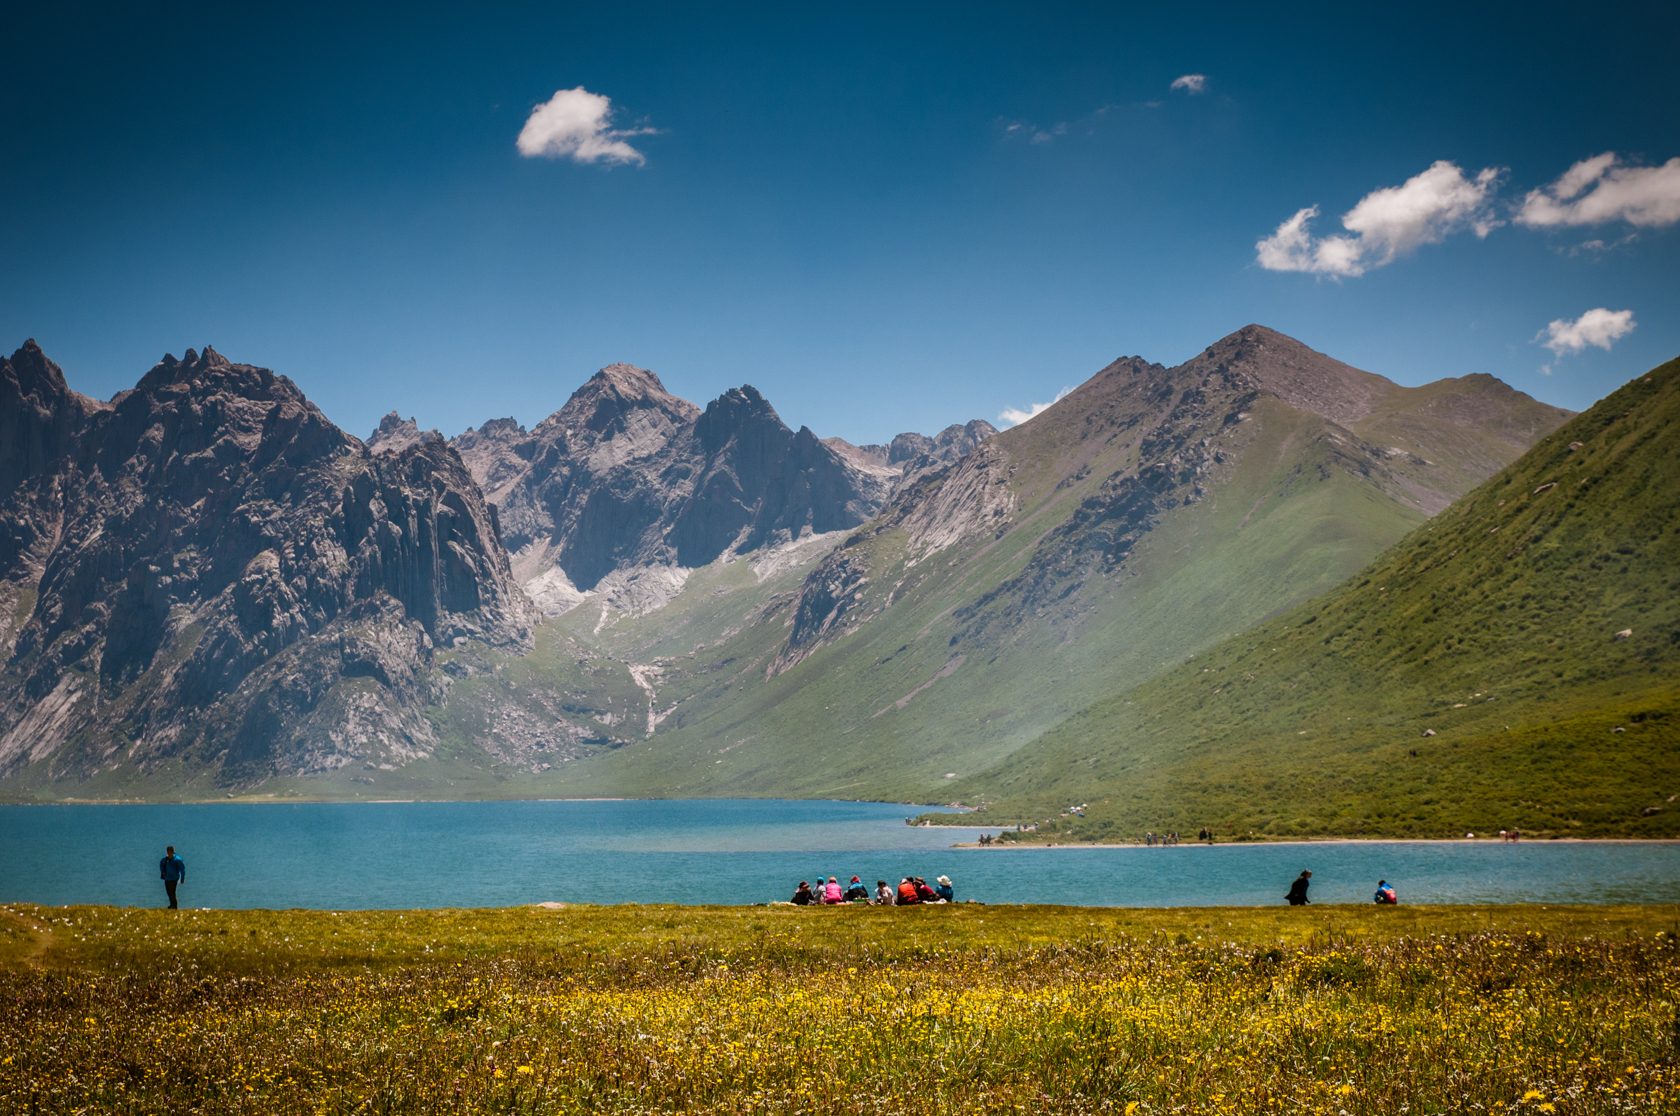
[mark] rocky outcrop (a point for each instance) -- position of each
(497, 454)
(910, 455)
(626, 475)
(396, 434)
(40, 417)
(214, 569)
(915, 454)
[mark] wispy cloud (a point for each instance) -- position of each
(1601, 328)
(576, 124)
(1190, 83)
(1032, 133)
(1009, 416)
(1597, 246)
(1603, 189)
(1386, 224)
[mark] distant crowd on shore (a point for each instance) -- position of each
(911, 891)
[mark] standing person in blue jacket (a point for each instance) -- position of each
(174, 870)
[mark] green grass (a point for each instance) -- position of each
(1469, 679)
(934, 1010)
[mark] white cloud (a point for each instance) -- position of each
(1033, 133)
(1602, 189)
(1387, 223)
(575, 124)
(1599, 327)
(1009, 416)
(1190, 83)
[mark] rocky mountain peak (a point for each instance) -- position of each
(617, 400)
(36, 376)
(629, 381)
(500, 428)
(908, 445)
(208, 560)
(396, 434)
(206, 375)
(735, 413)
(1302, 377)
(497, 454)
(40, 417)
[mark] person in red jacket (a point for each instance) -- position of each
(907, 892)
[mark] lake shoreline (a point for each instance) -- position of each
(1274, 842)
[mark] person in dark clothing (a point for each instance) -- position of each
(802, 896)
(173, 870)
(857, 891)
(1298, 890)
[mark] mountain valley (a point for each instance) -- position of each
(209, 591)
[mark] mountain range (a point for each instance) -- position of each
(210, 591)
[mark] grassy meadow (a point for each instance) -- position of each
(1334, 1010)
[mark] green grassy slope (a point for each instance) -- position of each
(1471, 678)
(965, 656)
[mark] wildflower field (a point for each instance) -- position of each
(1335, 1010)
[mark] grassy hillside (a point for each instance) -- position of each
(1151, 514)
(962, 657)
(1513, 662)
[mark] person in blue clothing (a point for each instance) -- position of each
(174, 870)
(1385, 894)
(945, 891)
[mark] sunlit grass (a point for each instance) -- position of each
(960, 1009)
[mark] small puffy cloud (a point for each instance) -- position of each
(575, 124)
(1009, 416)
(1190, 83)
(1599, 327)
(1387, 223)
(1602, 189)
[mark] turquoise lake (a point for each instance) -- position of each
(483, 854)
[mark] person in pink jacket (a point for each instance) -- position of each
(832, 892)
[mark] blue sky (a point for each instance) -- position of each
(884, 220)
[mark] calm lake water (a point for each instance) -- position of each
(482, 854)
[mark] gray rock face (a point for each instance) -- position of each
(917, 454)
(40, 417)
(497, 454)
(396, 434)
(213, 568)
(627, 474)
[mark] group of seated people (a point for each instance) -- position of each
(910, 891)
